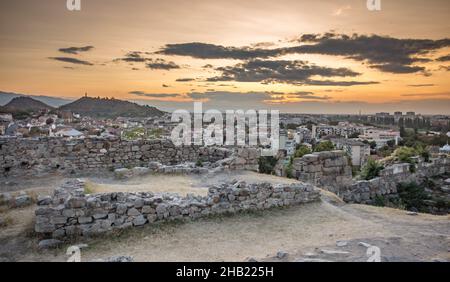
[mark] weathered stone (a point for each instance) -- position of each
(133, 212)
(44, 200)
(49, 244)
(76, 202)
(140, 220)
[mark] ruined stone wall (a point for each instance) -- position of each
(386, 184)
(328, 170)
(71, 213)
(21, 157)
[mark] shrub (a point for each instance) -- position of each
(413, 196)
(404, 154)
(301, 151)
(267, 164)
(324, 146)
(371, 169)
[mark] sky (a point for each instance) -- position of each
(299, 56)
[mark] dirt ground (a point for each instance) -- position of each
(307, 233)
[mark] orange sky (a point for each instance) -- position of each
(31, 32)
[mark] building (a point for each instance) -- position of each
(381, 137)
(445, 149)
(303, 135)
(343, 129)
(358, 151)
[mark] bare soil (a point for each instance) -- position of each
(304, 232)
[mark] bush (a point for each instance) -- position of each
(324, 146)
(413, 196)
(290, 169)
(301, 151)
(405, 154)
(267, 164)
(371, 170)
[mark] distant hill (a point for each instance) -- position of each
(6, 97)
(26, 104)
(109, 108)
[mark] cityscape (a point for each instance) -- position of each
(354, 100)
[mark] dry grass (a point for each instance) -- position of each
(180, 184)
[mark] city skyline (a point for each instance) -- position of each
(295, 56)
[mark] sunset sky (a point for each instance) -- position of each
(300, 56)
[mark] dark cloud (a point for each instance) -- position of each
(154, 95)
(384, 53)
(421, 85)
(185, 79)
(426, 95)
(443, 58)
(282, 71)
(165, 86)
(71, 60)
(133, 57)
(211, 51)
(305, 95)
(76, 50)
(161, 64)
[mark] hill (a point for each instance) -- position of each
(6, 97)
(23, 107)
(109, 108)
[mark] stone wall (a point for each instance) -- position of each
(386, 184)
(328, 170)
(21, 157)
(71, 213)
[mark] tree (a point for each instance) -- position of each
(267, 164)
(324, 146)
(413, 196)
(371, 170)
(301, 151)
(405, 154)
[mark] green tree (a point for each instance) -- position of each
(405, 154)
(324, 146)
(371, 169)
(301, 151)
(267, 164)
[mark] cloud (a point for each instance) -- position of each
(71, 61)
(387, 54)
(133, 57)
(282, 71)
(75, 50)
(154, 95)
(447, 94)
(165, 86)
(421, 85)
(211, 51)
(185, 79)
(443, 58)
(384, 53)
(161, 64)
(280, 97)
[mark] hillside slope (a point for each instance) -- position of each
(109, 108)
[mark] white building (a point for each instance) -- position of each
(445, 149)
(357, 150)
(342, 129)
(381, 137)
(303, 135)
